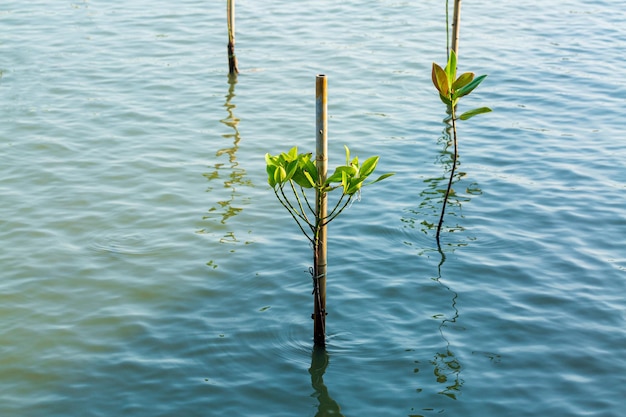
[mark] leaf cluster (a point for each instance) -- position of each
(299, 173)
(451, 88)
(299, 169)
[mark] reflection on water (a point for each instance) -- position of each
(447, 368)
(327, 406)
(226, 208)
(426, 215)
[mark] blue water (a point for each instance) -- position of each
(148, 270)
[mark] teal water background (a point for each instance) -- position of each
(148, 270)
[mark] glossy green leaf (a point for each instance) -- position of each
(451, 68)
(337, 176)
(347, 155)
(311, 181)
(344, 181)
(472, 113)
(369, 166)
(270, 175)
(279, 175)
(382, 177)
(465, 90)
(293, 154)
(355, 185)
(291, 169)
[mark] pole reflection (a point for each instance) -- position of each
(319, 362)
(226, 207)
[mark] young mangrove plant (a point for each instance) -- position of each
(451, 88)
(295, 178)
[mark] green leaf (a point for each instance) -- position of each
(382, 177)
(472, 113)
(279, 175)
(451, 68)
(440, 80)
(291, 169)
(354, 187)
(463, 80)
(345, 182)
(347, 155)
(368, 166)
(311, 180)
(271, 169)
(338, 174)
(465, 90)
(293, 154)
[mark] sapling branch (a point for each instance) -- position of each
(307, 200)
(451, 88)
(334, 215)
(294, 213)
(302, 211)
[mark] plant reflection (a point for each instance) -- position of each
(327, 406)
(447, 368)
(432, 195)
(236, 176)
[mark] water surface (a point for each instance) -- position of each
(147, 269)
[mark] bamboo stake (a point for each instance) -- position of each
(456, 22)
(230, 17)
(319, 249)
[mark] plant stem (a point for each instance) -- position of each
(454, 159)
(334, 215)
(287, 205)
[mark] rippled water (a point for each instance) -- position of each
(147, 269)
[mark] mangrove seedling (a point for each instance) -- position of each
(451, 88)
(295, 178)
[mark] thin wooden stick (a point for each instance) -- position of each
(319, 249)
(232, 58)
(456, 23)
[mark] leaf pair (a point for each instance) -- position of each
(451, 88)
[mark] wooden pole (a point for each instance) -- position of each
(321, 211)
(456, 22)
(230, 17)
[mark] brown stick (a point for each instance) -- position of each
(456, 23)
(230, 17)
